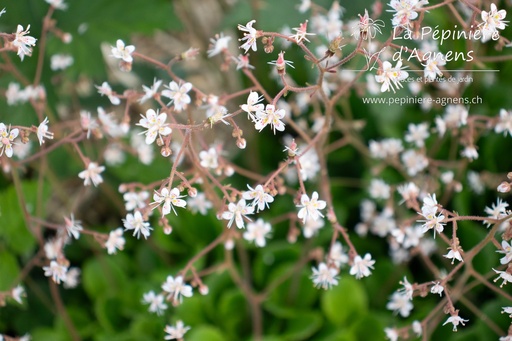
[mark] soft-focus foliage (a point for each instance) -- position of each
(253, 170)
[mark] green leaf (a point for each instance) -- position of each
(233, 310)
(343, 335)
(205, 332)
(344, 303)
(303, 326)
(48, 334)
(107, 311)
(191, 311)
(103, 277)
(14, 229)
(368, 328)
(9, 269)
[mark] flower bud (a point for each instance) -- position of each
(229, 244)
(228, 171)
(122, 188)
(334, 45)
(190, 54)
(166, 151)
(203, 289)
(167, 230)
(504, 187)
(125, 66)
(241, 143)
(192, 192)
(67, 38)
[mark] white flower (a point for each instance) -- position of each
(136, 223)
(270, 116)
(176, 289)
(417, 328)
(257, 232)
(13, 94)
(324, 276)
(115, 241)
(260, 198)
(199, 204)
(405, 11)
(42, 132)
(178, 94)
(455, 116)
(17, 292)
(507, 250)
(23, 42)
(492, 21)
(391, 334)
(455, 320)
(301, 33)
(417, 134)
(110, 125)
(408, 191)
(218, 44)
(379, 189)
(73, 227)
(87, 122)
(475, 182)
(253, 106)
(123, 52)
(433, 222)
(7, 137)
(304, 5)
(92, 174)
(53, 248)
(503, 275)
(408, 289)
(390, 77)
(176, 332)
(400, 304)
(310, 208)
(386, 148)
(250, 36)
(414, 162)
(169, 199)
(309, 164)
(155, 125)
(113, 154)
(361, 266)
(437, 288)
(56, 271)
(209, 158)
(447, 177)
(504, 124)
(156, 302)
(106, 90)
(470, 153)
(242, 62)
(367, 27)
(432, 66)
(135, 200)
(150, 92)
(61, 61)
(58, 4)
(236, 212)
(72, 278)
(311, 227)
(507, 310)
(337, 255)
(454, 255)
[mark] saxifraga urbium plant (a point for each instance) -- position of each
(352, 187)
